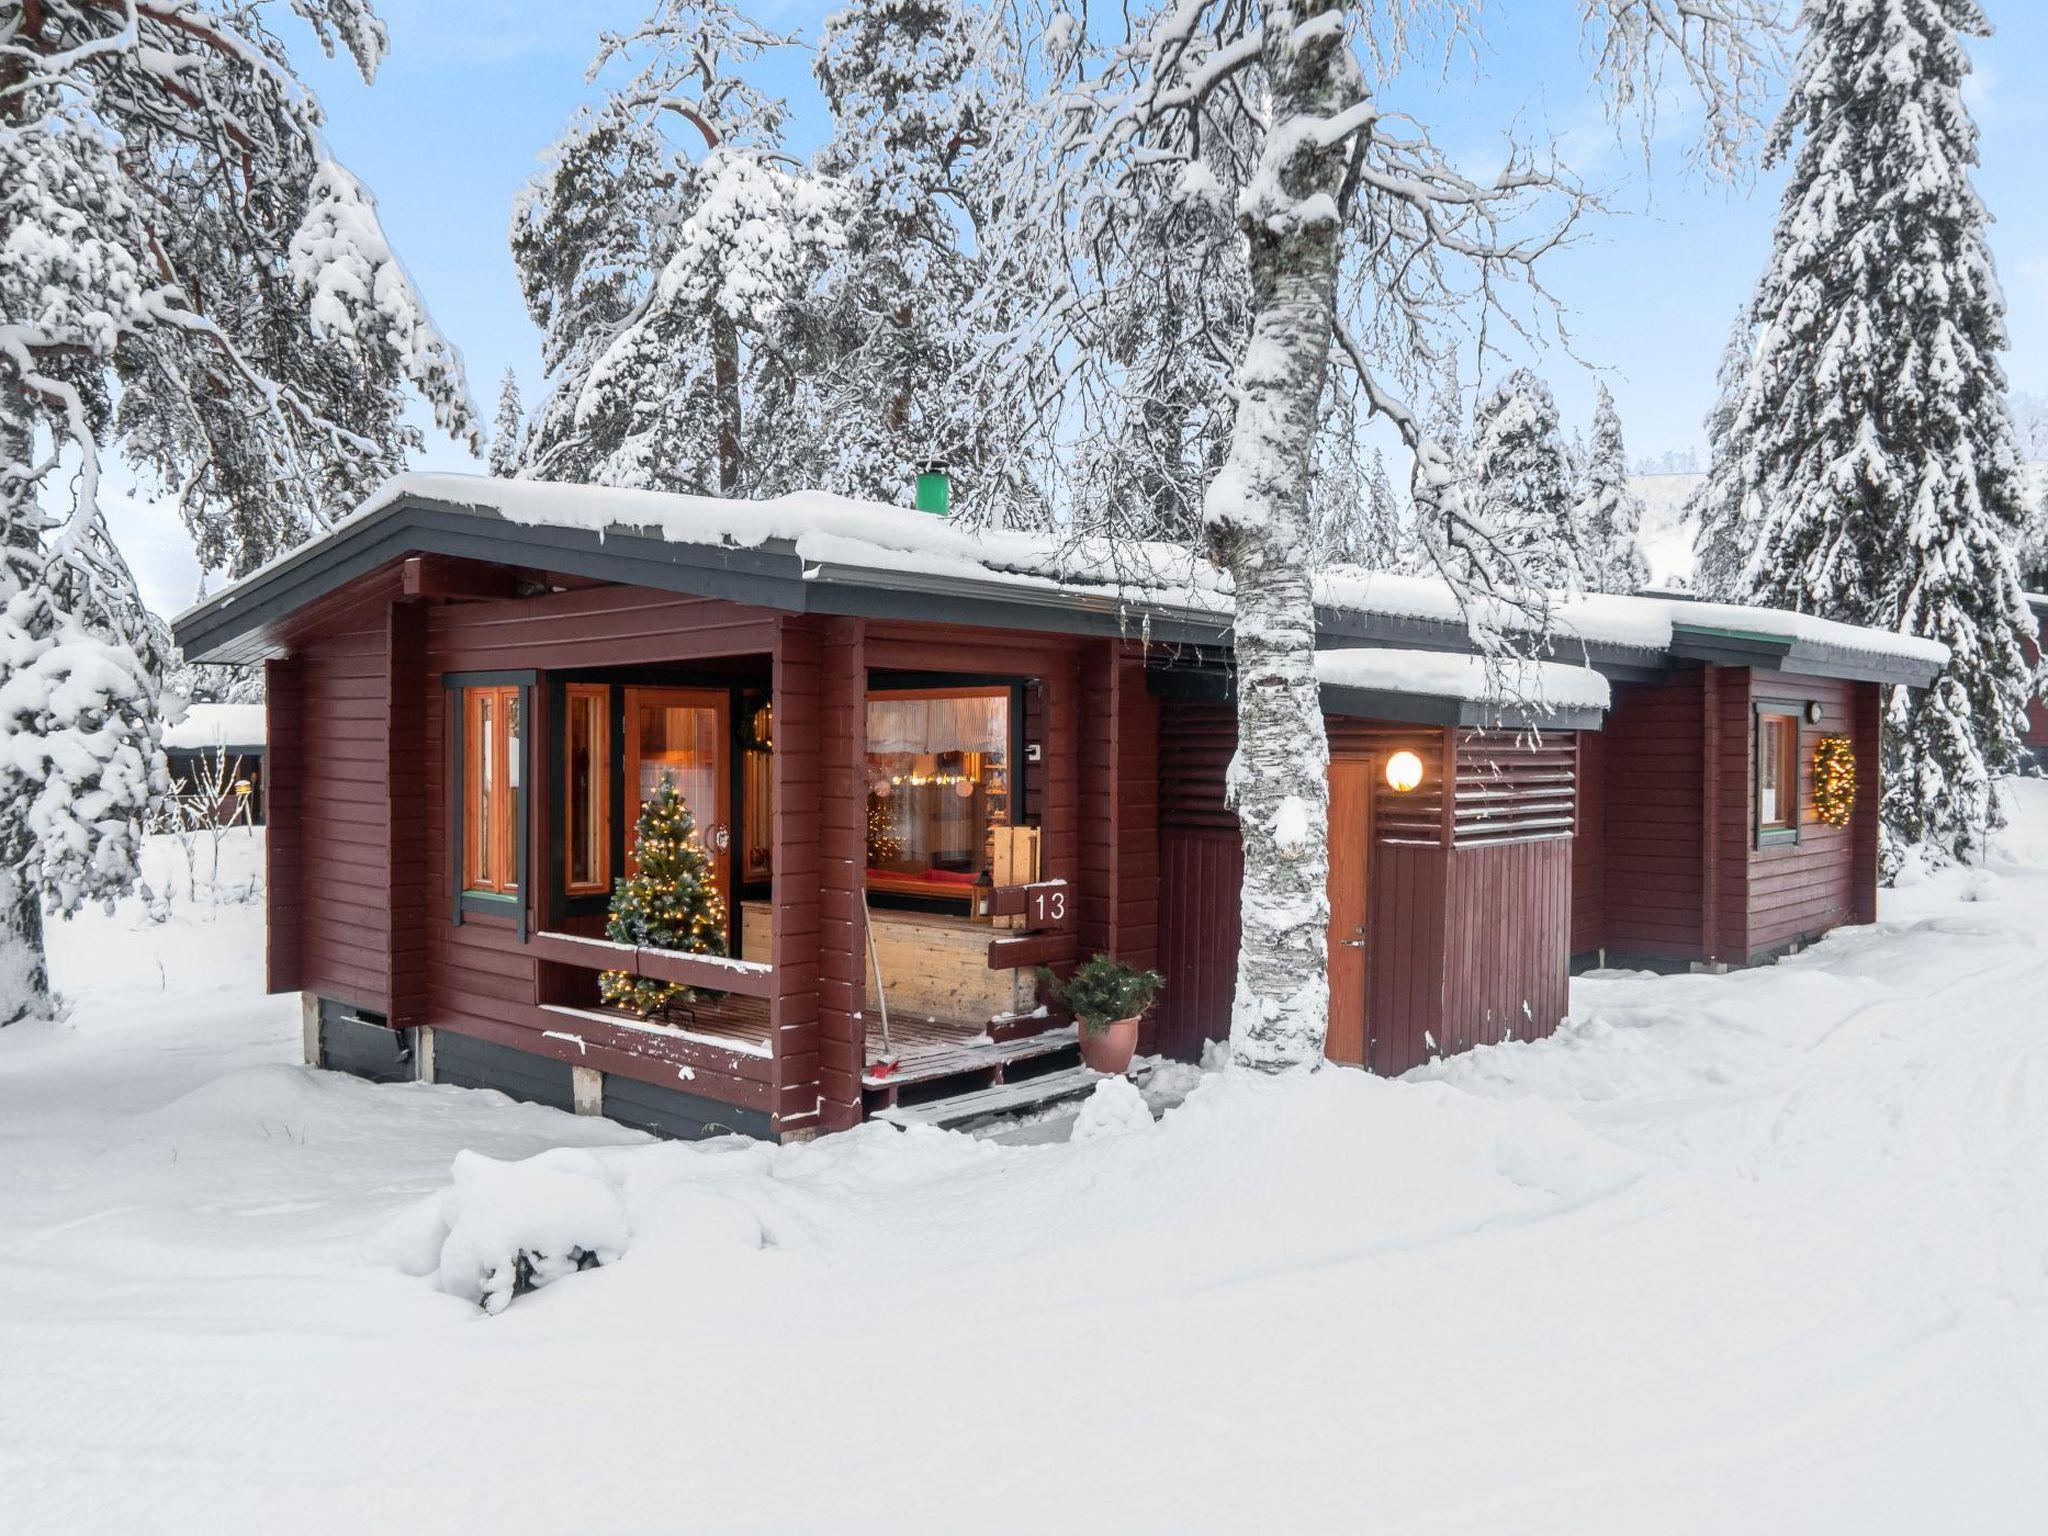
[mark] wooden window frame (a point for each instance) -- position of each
(1782, 717)
(939, 896)
(513, 847)
(599, 696)
(719, 700)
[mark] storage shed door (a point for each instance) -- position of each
(1350, 840)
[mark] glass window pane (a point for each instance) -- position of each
(584, 790)
(484, 739)
(679, 743)
(938, 779)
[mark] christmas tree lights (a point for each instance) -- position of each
(670, 902)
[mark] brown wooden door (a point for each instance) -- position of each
(682, 734)
(1350, 838)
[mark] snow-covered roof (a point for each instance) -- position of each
(815, 550)
(238, 727)
(1447, 675)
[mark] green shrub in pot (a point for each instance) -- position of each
(1102, 990)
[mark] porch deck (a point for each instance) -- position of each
(933, 1057)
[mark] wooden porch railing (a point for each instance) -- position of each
(744, 978)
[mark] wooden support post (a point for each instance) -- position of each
(309, 1028)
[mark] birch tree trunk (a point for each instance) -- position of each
(1258, 516)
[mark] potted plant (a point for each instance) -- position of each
(1106, 998)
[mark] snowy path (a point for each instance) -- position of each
(1758, 1253)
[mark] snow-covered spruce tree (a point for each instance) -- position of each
(186, 272)
(660, 246)
(1716, 505)
(1369, 533)
(1522, 477)
(508, 431)
(1866, 453)
(1608, 515)
(923, 95)
(1337, 179)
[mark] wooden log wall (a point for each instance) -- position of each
(1675, 870)
(1470, 892)
(1117, 897)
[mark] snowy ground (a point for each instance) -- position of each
(1761, 1253)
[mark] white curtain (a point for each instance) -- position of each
(938, 725)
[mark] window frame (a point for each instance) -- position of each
(913, 895)
(598, 696)
(466, 901)
(1783, 718)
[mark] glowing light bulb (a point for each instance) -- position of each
(1404, 771)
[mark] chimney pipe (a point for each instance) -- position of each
(934, 487)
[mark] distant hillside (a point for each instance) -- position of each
(1667, 530)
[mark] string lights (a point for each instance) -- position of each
(1834, 780)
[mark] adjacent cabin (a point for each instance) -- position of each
(2035, 742)
(926, 760)
(215, 756)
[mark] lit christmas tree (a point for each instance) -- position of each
(670, 903)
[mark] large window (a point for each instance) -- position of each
(586, 788)
(1777, 774)
(679, 736)
(939, 777)
(490, 790)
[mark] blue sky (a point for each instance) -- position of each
(473, 92)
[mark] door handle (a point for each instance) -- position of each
(1352, 943)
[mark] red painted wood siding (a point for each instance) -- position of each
(1654, 755)
(1468, 942)
(1799, 890)
(1118, 750)
(478, 979)
(797, 774)
(1589, 846)
(333, 903)
(2037, 709)
(1507, 942)
(842, 869)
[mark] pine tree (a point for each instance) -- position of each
(1371, 536)
(1523, 481)
(508, 432)
(187, 273)
(918, 91)
(1866, 470)
(659, 251)
(669, 902)
(1609, 515)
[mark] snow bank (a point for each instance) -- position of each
(1446, 675)
(1116, 1106)
(513, 1227)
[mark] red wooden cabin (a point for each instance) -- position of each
(879, 717)
(2036, 738)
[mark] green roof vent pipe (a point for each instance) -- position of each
(934, 487)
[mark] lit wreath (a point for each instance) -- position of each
(1834, 780)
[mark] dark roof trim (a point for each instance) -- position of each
(1218, 685)
(229, 627)
(1745, 648)
(236, 625)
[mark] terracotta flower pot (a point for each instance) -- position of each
(1110, 1048)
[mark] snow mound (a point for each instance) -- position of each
(515, 1226)
(1116, 1106)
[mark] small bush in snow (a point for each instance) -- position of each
(514, 1227)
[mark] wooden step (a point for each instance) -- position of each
(928, 1063)
(986, 1103)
